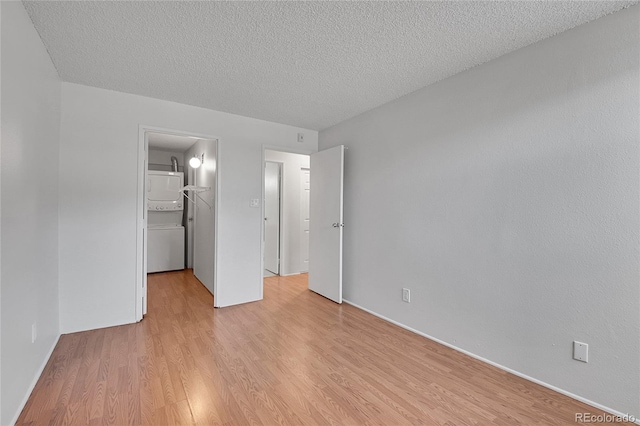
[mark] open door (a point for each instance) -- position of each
(326, 223)
(204, 211)
(272, 217)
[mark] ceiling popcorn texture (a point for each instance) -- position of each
(308, 64)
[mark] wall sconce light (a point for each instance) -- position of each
(196, 161)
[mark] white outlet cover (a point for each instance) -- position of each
(255, 202)
(406, 295)
(580, 351)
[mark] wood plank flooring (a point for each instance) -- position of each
(293, 358)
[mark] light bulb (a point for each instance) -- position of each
(195, 162)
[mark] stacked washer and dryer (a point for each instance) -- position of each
(165, 205)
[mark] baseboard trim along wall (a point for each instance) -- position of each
(34, 382)
(502, 367)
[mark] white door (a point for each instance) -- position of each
(203, 245)
(325, 236)
(304, 220)
(189, 212)
(144, 230)
(204, 220)
(272, 217)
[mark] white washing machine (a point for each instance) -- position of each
(165, 236)
(165, 248)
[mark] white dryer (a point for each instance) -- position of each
(164, 191)
(165, 237)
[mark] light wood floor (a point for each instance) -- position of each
(293, 358)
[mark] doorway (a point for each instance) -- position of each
(286, 213)
(191, 221)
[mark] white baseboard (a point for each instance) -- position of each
(239, 303)
(35, 380)
(502, 367)
(289, 274)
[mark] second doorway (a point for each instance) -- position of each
(286, 213)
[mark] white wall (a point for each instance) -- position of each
(161, 160)
(99, 141)
(204, 229)
(290, 231)
(29, 218)
(507, 199)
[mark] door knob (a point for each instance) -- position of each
(335, 225)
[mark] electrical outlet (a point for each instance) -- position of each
(255, 202)
(406, 295)
(34, 332)
(580, 351)
(301, 137)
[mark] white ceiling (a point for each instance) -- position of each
(309, 64)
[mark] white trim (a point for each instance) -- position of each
(240, 303)
(263, 165)
(34, 382)
(501, 367)
(281, 251)
(281, 235)
(287, 150)
(302, 268)
(141, 267)
(216, 209)
(341, 224)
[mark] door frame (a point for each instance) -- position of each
(141, 211)
(291, 150)
(300, 224)
(280, 205)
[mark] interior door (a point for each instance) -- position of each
(204, 220)
(326, 223)
(144, 229)
(272, 217)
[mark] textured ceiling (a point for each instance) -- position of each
(309, 64)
